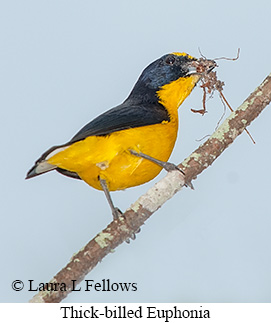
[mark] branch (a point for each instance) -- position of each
(121, 229)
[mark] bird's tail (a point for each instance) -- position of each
(41, 165)
(40, 168)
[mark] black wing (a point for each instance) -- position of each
(119, 118)
(123, 117)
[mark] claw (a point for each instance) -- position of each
(170, 167)
(133, 236)
(116, 212)
(189, 184)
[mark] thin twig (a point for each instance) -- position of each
(119, 230)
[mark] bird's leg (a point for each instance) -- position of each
(166, 165)
(116, 212)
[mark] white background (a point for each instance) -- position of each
(62, 63)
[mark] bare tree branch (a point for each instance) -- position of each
(121, 229)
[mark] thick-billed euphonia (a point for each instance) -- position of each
(130, 144)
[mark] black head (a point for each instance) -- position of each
(163, 71)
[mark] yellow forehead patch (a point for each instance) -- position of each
(183, 54)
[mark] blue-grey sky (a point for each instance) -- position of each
(62, 63)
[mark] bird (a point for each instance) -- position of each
(131, 143)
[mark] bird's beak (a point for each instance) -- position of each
(210, 65)
(201, 66)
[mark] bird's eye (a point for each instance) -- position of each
(170, 60)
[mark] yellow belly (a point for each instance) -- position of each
(108, 157)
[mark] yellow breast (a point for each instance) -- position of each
(108, 157)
